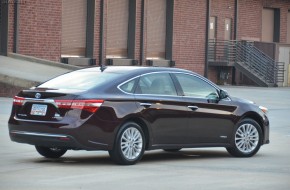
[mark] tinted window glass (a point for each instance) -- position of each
(195, 87)
(160, 83)
(129, 86)
(79, 80)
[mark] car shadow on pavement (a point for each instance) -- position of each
(149, 157)
(184, 154)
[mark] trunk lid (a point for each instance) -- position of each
(44, 104)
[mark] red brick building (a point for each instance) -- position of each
(147, 32)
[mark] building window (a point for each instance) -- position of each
(74, 22)
(228, 29)
(156, 29)
(212, 28)
(117, 28)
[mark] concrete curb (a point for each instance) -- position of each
(43, 61)
(18, 82)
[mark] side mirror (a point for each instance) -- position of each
(213, 98)
(223, 94)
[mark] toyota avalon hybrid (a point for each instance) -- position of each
(129, 110)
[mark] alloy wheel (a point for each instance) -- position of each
(131, 143)
(247, 138)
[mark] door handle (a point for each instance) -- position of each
(146, 105)
(193, 107)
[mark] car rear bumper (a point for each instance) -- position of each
(54, 140)
(45, 139)
(74, 135)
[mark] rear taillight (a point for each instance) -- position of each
(18, 101)
(87, 105)
(66, 104)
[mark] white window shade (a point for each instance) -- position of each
(117, 28)
(74, 21)
(156, 29)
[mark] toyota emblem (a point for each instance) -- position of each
(37, 95)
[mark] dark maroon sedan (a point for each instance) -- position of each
(127, 110)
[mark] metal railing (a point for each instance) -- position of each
(280, 72)
(256, 61)
(222, 51)
(249, 57)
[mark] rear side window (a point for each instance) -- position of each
(157, 83)
(79, 80)
(129, 87)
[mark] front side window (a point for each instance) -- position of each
(195, 87)
(157, 83)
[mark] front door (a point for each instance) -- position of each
(209, 120)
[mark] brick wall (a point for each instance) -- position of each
(284, 6)
(213, 74)
(189, 34)
(105, 30)
(97, 31)
(40, 29)
(144, 34)
(223, 9)
(250, 24)
(250, 18)
(138, 30)
(10, 27)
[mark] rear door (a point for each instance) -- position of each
(209, 120)
(157, 99)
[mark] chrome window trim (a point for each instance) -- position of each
(156, 72)
(169, 72)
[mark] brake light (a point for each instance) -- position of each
(18, 101)
(87, 105)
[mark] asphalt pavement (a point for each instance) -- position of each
(202, 168)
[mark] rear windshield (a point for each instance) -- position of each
(79, 80)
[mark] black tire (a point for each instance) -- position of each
(247, 139)
(50, 152)
(172, 150)
(127, 149)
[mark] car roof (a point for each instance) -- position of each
(134, 69)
